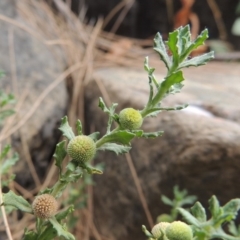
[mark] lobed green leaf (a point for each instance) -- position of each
(60, 154)
(66, 129)
(118, 149)
(197, 61)
(11, 199)
(159, 47)
(61, 232)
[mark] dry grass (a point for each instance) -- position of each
(84, 49)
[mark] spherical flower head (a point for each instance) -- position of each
(82, 148)
(44, 206)
(159, 229)
(130, 118)
(179, 231)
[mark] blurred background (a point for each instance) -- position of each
(60, 56)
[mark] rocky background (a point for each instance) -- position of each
(57, 63)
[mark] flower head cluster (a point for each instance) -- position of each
(82, 148)
(179, 231)
(130, 119)
(44, 206)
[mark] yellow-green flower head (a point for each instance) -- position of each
(81, 148)
(130, 118)
(179, 231)
(159, 228)
(44, 206)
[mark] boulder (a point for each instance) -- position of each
(199, 150)
(30, 67)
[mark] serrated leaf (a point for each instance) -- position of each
(94, 136)
(232, 207)
(214, 207)
(79, 127)
(103, 106)
(122, 137)
(11, 199)
(118, 149)
(199, 212)
(60, 154)
(167, 200)
(189, 217)
(160, 48)
(8, 163)
(197, 61)
(195, 44)
(66, 129)
(61, 232)
(152, 134)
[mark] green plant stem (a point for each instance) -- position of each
(160, 93)
(60, 185)
(103, 140)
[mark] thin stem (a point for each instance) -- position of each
(103, 140)
(4, 215)
(60, 185)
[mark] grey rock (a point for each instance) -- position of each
(36, 68)
(199, 150)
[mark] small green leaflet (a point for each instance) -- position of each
(199, 212)
(118, 149)
(167, 200)
(173, 46)
(60, 154)
(11, 199)
(66, 129)
(79, 127)
(214, 207)
(197, 61)
(189, 217)
(60, 230)
(103, 106)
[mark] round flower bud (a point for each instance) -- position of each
(179, 231)
(130, 118)
(44, 206)
(159, 228)
(82, 148)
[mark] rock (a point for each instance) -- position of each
(199, 150)
(36, 66)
